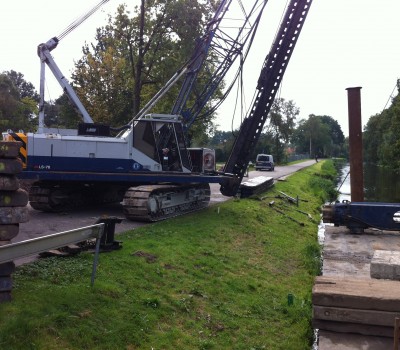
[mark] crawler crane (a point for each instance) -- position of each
(135, 167)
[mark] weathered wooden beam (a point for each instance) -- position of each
(357, 293)
(9, 149)
(346, 327)
(370, 317)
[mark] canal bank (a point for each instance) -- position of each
(349, 317)
(236, 275)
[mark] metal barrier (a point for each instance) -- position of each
(22, 249)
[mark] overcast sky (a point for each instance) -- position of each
(344, 43)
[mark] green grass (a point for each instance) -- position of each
(216, 279)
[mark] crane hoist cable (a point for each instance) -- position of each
(80, 20)
(239, 91)
(238, 73)
(276, 34)
(392, 93)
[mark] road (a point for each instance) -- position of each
(41, 224)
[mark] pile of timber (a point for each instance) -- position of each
(13, 209)
(361, 306)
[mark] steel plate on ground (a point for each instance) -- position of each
(255, 185)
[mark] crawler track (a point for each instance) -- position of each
(50, 197)
(139, 203)
(159, 202)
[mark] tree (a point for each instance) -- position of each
(381, 138)
(273, 139)
(334, 128)
(134, 57)
(283, 118)
(222, 142)
(279, 129)
(265, 144)
(335, 148)
(67, 116)
(24, 88)
(319, 135)
(17, 102)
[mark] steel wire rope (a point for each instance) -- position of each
(239, 89)
(280, 21)
(49, 99)
(390, 97)
(212, 109)
(242, 94)
(279, 93)
(242, 7)
(340, 186)
(251, 41)
(228, 90)
(80, 20)
(268, 127)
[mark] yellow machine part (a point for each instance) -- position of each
(23, 151)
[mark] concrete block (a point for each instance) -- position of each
(385, 264)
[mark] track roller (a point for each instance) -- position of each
(159, 202)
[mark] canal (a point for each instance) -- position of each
(380, 184)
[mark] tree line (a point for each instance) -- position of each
(316, 136)
(381, 136)
(131, 59)
(18, 102)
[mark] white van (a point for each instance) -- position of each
(265, 162)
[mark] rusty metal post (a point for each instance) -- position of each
(355, 144)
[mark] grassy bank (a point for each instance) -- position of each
(237, 275)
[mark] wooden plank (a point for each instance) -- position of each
(8, 232)
(370, 317)
(345, 327)
(13, 215)
(18, 198)
(8, 182)
(9, 149)
(10, 166)
(368, 294)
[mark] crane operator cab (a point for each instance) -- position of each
(161, 137)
